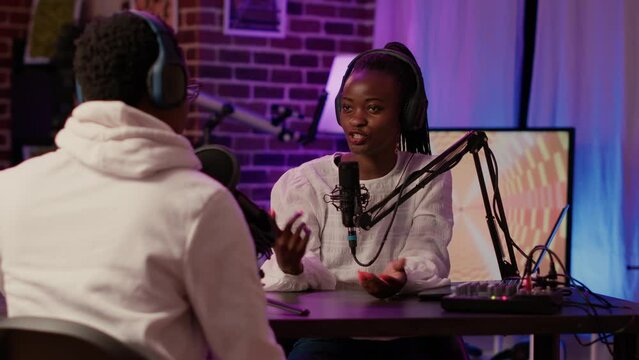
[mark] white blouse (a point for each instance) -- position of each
(420, 232)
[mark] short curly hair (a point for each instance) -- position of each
(113, 56)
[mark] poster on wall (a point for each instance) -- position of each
(262, 18)
(167, 10)
(48, 18)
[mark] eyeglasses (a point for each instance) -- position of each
(192, 91)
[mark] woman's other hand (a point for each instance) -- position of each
(386, 284)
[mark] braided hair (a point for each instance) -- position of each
(411, 140)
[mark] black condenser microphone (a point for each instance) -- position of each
(350, 198)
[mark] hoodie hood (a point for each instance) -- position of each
(120, 140)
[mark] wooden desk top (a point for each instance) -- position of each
(353, 313)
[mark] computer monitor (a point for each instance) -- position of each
(534, 178)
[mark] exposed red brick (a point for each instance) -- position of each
(211, 19)
(185, 37)
(287, 43)
(13, 33)
(233, 90)
(286, 76)
(358, 13)
(249, 143)
(294, 8)
(322, 44)
(230, 125)
(316, 77)
(353, 46)
(296, 68)
(192, 54)
(236, 56)
(191, 3)
(269, 58)
(327, 61)
(275, 174)
(251, 74)
(320, 10)
(213, 38)
(304, 60)
(207, 54)
(19, 17)
(365, 30)
(321, 144)
(249, 40)
(193, 18)
(23, 4)
(305, 26)
(276, 144)
(270, 92)
(218, 72)
(303, 93)
(338, 28)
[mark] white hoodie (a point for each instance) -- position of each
(119, 230)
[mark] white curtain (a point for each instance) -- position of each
(468, 51)
(584, 76)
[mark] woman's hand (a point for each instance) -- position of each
(388, 283)
(290, 245)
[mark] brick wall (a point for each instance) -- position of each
(252, 73)
(255, 73)
(14, 20)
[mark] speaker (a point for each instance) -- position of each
(167, 77)
(413, 114)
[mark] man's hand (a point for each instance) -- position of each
(388, 283)
(290, 245)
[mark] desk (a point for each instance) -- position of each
(356, 314)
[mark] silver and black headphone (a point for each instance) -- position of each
(167, 78)
(413, 114)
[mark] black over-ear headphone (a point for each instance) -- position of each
(167, 78)
(413, 115)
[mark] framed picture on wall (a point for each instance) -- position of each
(48, 18)
(263, 18)
(167, 10)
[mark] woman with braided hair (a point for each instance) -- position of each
(382, 109)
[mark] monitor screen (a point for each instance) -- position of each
(534, 176)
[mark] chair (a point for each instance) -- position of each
(31, 338)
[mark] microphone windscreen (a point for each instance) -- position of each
(220, 164)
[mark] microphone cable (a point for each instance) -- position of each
(402, 186)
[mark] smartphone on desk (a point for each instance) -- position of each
(434, 294)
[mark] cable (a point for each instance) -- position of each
(589, 306)
(381, 245)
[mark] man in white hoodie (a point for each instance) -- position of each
(118, 229)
